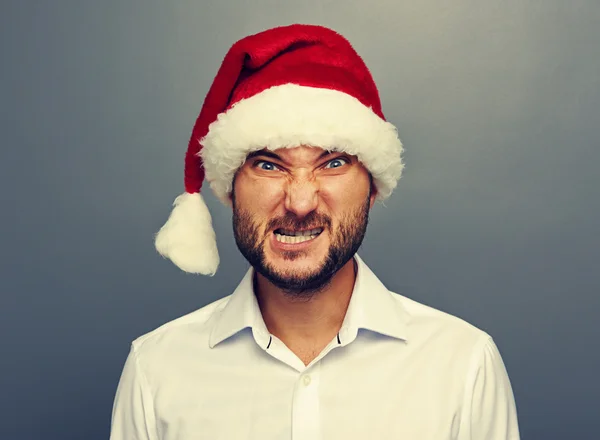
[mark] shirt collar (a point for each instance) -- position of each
(372, 307)
(240, 312)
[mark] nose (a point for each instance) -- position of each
(302, 196)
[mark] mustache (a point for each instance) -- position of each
(291, 221)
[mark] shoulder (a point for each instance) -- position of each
(424, 315)
(194, 326)
(442, 331)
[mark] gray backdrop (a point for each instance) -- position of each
(495, 221)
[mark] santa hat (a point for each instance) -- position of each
(284, 87)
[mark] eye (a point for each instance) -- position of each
(265, 166)
(336, 163)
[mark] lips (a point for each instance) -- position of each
(288, 236)
(292, 239)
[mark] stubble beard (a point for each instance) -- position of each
(345, 242)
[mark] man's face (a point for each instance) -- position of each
(300, 214)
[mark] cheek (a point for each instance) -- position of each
(259, 196)
(345, 193)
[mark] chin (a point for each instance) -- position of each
(299, 276)
(296, 263)
(306, 257)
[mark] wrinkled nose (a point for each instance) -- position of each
(302, 197)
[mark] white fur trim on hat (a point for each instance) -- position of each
(188, 238)
(291, 115)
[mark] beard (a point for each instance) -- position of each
(345, 241)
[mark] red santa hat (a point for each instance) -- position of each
(284, 87)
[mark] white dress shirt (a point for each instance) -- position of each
(396, 370)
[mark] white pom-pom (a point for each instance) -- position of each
(188, 238)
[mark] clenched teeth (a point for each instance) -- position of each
(308, 233)
(294, 238)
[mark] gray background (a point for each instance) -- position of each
(496, 219)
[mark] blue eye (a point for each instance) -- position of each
(266, 166)
(336, 163)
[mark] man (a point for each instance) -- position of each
(310, 345)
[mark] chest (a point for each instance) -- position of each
(336, 398)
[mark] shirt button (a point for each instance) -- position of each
(306, 380)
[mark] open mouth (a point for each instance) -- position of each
(293, 237)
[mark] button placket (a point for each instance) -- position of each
(305, 406)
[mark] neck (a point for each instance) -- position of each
(306, 321)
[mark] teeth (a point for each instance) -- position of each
(308, 233)
(294, 239)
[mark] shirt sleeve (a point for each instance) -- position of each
(489, 402)
(133, 408)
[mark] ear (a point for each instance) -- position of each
(231, 194)
(373, 198)
(374, 192)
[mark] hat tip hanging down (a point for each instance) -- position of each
(188, 238)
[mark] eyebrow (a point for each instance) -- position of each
(272, 155)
